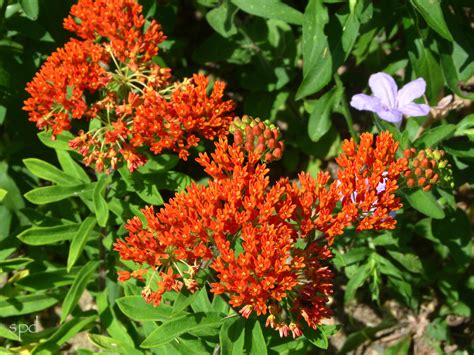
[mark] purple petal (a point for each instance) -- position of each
(411, 91)
(385, 88)
(366, 102)
(415, 110)
(393, 116)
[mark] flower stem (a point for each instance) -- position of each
(345, 107)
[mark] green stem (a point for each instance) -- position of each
(345, 107)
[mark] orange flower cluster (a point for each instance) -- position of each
(136, 108)
(261, 243)
(368, 179)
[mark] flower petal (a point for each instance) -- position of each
(385, 88)
(411, 91)
(415, 110)
(393, 116)
(365, 102)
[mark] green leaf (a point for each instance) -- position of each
(433, 15)
(117, 346)
(273, 9)
(425, 203)
(100, 205)
(48, 194)
(50, 279)
(77, 288)
(31, 8)
(317, 337)
(424, 62)
(7, 333)
(201, 303)
(356, 281)
(355, 255)
(65, 332)
(135, 307)
(320, 119)
(3, 193)
(354, 340)
(254, 339)
(322, 57)
(26, 304)
(172, 329)
(14, 264)
(61, 142)
(435, 135)
(48, 235)
(409, 261)
(79, 241)
(142, 185)
(68, 164)
(400, 348)
(47, 171)
(221, 19)
(232, 336)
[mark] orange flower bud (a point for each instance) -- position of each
(421, 181)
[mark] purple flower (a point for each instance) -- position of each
(390, 103)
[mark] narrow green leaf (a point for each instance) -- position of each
(26, 304)
(257, 340)
(435, 135)
(433, 15)
(135, 308)
(356, 281)
(425, 203)
(201, 303)
(274, 9)
(47, 171)
(117, 346)
(48, 279)
(77, 288)
(61, 142)
(409, 261)
(321, 57)
(100, 205)
(65, 332)
(79, 241)
(69, 164)
(48, 235)
(31, 8)
(3, 193)
(7, 333)
(48, 194)
(172, 329)
(14, 264)
(320, 119)
(232, 336)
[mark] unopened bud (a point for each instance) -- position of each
(411, 183)
(271, 143)
(421, 182)
(427, 188)
(428, 173)
(277, 153)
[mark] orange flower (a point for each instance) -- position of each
(120, 23)
(57, 90)
(367, 181)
